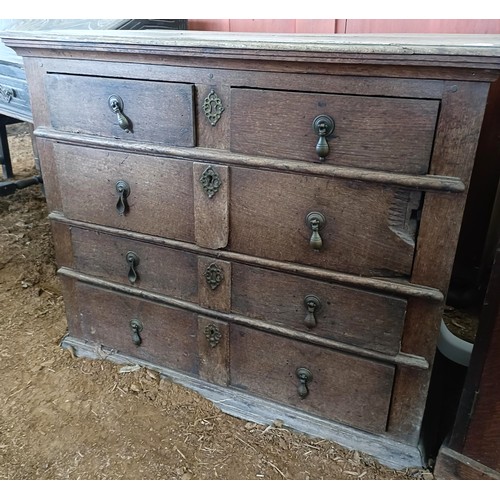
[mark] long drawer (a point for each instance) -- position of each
(377, 133)
(330, 384)
(361, 228)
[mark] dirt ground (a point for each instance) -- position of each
(67, 418)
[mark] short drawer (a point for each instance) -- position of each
(139, 193)
(379, 133)
(341, 387)
(133, 327)
(355, 317)
(135, 263)
(367, 229)
(133, 110)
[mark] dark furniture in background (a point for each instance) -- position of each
(472, 450)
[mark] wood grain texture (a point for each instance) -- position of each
(161, 190)
(158, 111)
(344, 388)
(368, 320)
(214, 359)
(218, 298)
(386, 286)
(268, 219)
(453, 466)
(211, 213)
(208, 135)
(168, 337)
(160, 269)
(394, 135)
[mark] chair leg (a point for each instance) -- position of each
(5, 153)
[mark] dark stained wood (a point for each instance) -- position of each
(63, 244)
(214, 359)
(161, 190)
(208, 77)
(158, 111)
(208, 135)
(408, 114)
(475, 437)
(416, 182)
(168, 336)
(51, 187)
(453, 466)
(372, 237)
(367, 320)
(211, 214)
(395, 135)
(457, 134)
(344, 388)
(218, 298)
(161, 269)
(401, 359)
(397, 287)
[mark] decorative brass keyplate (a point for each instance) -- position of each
(210, 181)
(213, 108)
(213, 334)
(214, 276)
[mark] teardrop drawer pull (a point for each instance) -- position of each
(133, 261)
(313, 305)
(136, 327)
(123, 191)
(316, 222)
(115, 103)
(305, 377)
(323, 126)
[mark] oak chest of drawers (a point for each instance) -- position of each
(270, 220)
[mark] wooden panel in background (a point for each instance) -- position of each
(485, 26)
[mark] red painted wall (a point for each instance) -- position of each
(491, 26)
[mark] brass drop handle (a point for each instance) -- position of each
(305, 377)
(316, 222)
(313, 305)
(136, 327)
(133, 261)
(323, 126)
(115, 103)
(123, 191)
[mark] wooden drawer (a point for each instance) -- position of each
(167, 337)
(157, 112)
(368, 230)
(356, 317)
(345, 388)
(160, 200)
(14, 95)
(151, 267)
(378, 133)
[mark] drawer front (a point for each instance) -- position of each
(156, 112)
(14, 96)
(131, 262)
(166, 336)
(368, 228)
(356, 317)
(160, 198)
(378, 133)
(345, 388)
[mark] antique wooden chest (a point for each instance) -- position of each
(270, 220)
